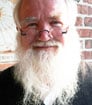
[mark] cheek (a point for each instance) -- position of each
(61, 40)
(26, 42)
(57, 35)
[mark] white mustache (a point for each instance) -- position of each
(49, 43)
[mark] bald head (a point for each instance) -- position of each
(31, 7)
(25, 7)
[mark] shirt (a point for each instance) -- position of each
(12, 92)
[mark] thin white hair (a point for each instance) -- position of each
(15, 13)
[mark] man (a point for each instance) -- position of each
(48, 71)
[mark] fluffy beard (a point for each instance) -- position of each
(48, 75)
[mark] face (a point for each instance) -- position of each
(43, 24)
(42, 21)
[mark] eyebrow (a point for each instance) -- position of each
(28, 19)
(55, 16)
(33, 19)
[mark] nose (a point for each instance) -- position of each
(44, 35)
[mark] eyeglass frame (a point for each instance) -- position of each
(25, 32)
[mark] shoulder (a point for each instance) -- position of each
(10, 89)
(85, 72)
(84, 94)
(6, 73)
(7, 78)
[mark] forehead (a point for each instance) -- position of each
(41, 7)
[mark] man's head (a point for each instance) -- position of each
(48, 48)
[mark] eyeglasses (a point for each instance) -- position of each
(29, 29)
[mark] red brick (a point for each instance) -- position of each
(82, 9)
(88, 21)
(88, 1)
(85, 0)
(90, 11)
(87, 55)
(85, 33)
(79, 21)
(88, 44)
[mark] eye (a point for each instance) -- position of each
(29, 26)
(56, 23)
(32, 25)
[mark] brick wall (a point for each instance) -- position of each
(84, 27)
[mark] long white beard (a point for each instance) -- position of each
(50, 75)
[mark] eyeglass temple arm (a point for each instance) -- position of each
(64, 32)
